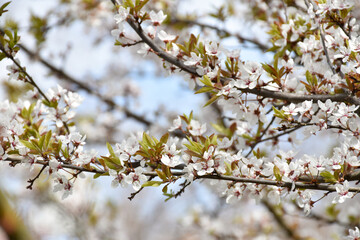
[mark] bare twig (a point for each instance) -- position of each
(326, 52)
(31, 181)
(261, 136)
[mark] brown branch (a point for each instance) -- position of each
(279, 218)
(221, 32)
(63, 75)
(260, 138)
(30, 79)
(290, 97)
(31, 181)
(326, 52)
(320, 185)
(183, 185)
(133, 195)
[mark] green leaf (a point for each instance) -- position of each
(206, 80)
(212, 99)
(222, 129)
(191, 116)
(111, 150)
(328, 177)
(164, 138)
(269, 69)
(110, 162)
(204, 89)
(147, 140)
(277, 173)
(128, 3)
(96, 175)
(152, 184)
(165, 188)
(47, 139)
(28, 144)
(2, 8)
(309, 77)
(161, 175)
(140, 5)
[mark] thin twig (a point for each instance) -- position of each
(261, 136)
(31, 181)
(30, 79)
(326, 52)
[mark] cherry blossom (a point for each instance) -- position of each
(122, 15)
(136, 178)
(157, 18)
(163, 36)
(354, 234)
(196, 128)
(343, 192)
(193, 60)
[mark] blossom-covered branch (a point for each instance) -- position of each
(290, 97)
(315, 186)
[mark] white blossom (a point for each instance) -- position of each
(157, 18)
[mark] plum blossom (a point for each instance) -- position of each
(234, 193)
(176, 124)
(136, 178)
(73, 100)
(344, 54)
(119, 32)
(197, 129)
(253, 68)
(304, 201)
(157, 18)
(3, 154)
(119, 178)
(150, 31)
(163, 36)
(343, 192)
(328, 107)
(245, 83)
(353, 234)
(291, 109)
(144, 50)
(204, 167)
(211, 48)
(62, 184)
(171, 157)
(14, 71)
(122, 15)
(175, 50)
(193, 60)
(233, 54)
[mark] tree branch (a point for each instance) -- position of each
(290, 97)
(280, 220)
(320, 185)
(220, 31)
(65, 76)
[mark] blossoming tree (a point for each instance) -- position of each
(310, 87)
